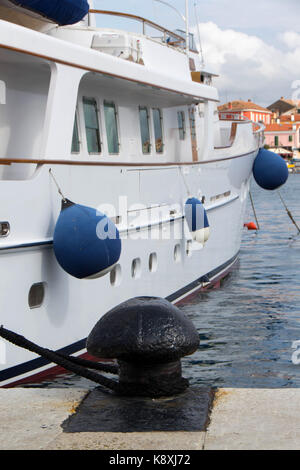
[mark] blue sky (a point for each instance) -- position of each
(253, 44)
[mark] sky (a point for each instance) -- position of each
(254, 45)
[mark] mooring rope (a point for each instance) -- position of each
(58, 359)
(288, 212)
(254, 211)
(110, 368)
(155, 389)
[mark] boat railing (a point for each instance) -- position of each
(170, 38)
(258, 131)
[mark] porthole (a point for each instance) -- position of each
(4, 229)
(36, 295)
(153, 262)
(177, 254)
(115, 276)
(136, 268)
(189, 248)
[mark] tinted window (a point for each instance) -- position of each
(158, 133)
(111, 124)
(75, 139)
(91, 125)
(145, 132)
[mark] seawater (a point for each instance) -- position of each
(248, 325)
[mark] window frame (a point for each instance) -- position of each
(183, 128)
(162, 130)
(116, 113)
(79, 141)
(86, 99)
(141, 107)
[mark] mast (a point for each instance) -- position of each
(187, 40)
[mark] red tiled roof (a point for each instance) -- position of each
(240, 105)
(287, 117)
(279, 128)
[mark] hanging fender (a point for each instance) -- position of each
(269, 170)
(86, 242)
(197, 221)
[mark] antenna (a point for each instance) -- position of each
(199, 37)
(187, 31)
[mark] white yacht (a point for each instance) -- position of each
(123, 124)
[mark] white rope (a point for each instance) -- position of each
(58, 188)
(185, 182)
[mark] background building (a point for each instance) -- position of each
(284, 107)
(245, 110)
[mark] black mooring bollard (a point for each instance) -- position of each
(148, 336)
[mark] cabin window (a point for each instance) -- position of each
(145, 130)
(75, 138)
(111, 123)
(181, 124)
(158, 132)
(92, 125)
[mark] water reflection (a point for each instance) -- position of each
(248, 325)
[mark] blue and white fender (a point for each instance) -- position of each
(197, 221)
(86, 242)
(270, 171)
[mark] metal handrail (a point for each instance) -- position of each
(142, 20)
(260, 129)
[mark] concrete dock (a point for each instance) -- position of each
(248, 419)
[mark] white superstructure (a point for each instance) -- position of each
(123, 120)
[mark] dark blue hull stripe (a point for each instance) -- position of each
(27, 245)
(201, 279)
(34, 364)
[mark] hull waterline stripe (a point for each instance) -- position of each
(199, 281)
(34, 364)
(47, 243)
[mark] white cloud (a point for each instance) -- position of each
(248, 66)
(291, 39)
